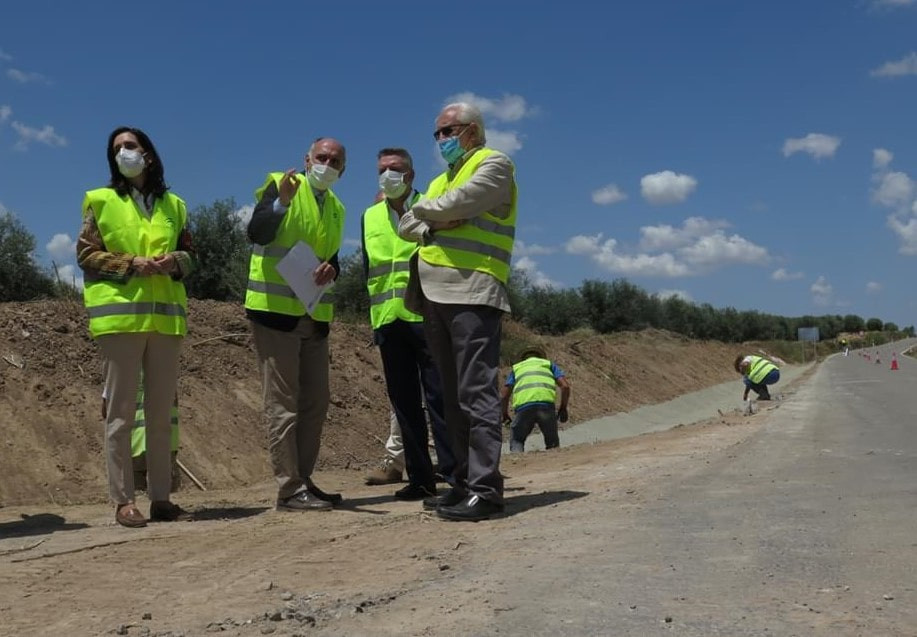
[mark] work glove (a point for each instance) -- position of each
(562, 415)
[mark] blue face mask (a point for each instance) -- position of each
(450, 149)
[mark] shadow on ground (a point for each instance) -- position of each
(40, 524)
(519, 503)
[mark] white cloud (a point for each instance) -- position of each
(718, 249)
(4, 56)
(61, 247)
(583, 245)
(822, 291)
(699, 246)
(5, 112)
(68, 276)
(25, 77)
(666, 237)
(906, 229)
(608, 195)
(895, 190)
(522, 249)
(46, 135)
(678, 294)
(781, 274)
(506, 141)
(905, 66)
(244, 214)
(667, 187)
(881, 158)
(509, 108)
(893, 3)
(536, 276)
(816, 144)
(873, 288)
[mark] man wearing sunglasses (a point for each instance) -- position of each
(465, 225)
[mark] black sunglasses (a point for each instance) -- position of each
(446, 131)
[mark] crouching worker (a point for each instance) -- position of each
(533, 384)
(138, 440)
(757, 373)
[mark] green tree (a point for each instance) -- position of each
(223, 252)
(854, 323)
(21, 277)
(890, 327)
(874, 325)
(351, 300)
(552, 311)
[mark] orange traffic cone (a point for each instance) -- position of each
(894, 362)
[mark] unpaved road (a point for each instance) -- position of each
(799, 520)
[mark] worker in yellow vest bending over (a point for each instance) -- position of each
(533, 384)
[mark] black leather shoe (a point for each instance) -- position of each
(449, 498)
(303, 501)
(415, 492)
(331, 498)
(471, 509)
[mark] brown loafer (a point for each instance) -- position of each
(165, 511)
(130, 516)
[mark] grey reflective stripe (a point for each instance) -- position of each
(543, 374)
(277, 289)
(470, 245)
(492, 226)
(381, 270)
(277, 252)
(152, 307)
(388, 295)
(142, 422)
(520, 387)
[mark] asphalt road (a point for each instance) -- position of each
(809, 527)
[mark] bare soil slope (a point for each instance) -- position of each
(50, 384)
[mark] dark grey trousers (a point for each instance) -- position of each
(464, 341)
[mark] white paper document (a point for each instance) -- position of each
(296, 268)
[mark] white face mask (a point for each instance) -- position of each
(391, 183)
(321, 176)
(130, 162)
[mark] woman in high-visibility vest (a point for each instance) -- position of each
(134, 249)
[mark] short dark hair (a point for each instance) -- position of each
(738, 362)
(155, 183)
(400, 152)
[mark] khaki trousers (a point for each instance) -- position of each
(125, 354)
(294, 381)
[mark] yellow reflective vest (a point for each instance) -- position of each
(760, 367)
(154, 303)
(138, 433)
(321, 229)
(388, 257)
(534, 382)
(483, 243)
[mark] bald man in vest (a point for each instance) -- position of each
(291, 343)
(465, 224)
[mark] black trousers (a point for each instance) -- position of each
(411, 378)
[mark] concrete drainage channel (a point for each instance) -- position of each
(684, 410)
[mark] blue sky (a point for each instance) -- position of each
(758, 155)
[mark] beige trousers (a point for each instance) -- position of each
(294, 381)
(124, 356)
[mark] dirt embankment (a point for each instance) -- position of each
(50, 383)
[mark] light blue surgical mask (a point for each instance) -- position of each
(450, 149)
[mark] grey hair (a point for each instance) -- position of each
(468, 114)
(400, 152)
